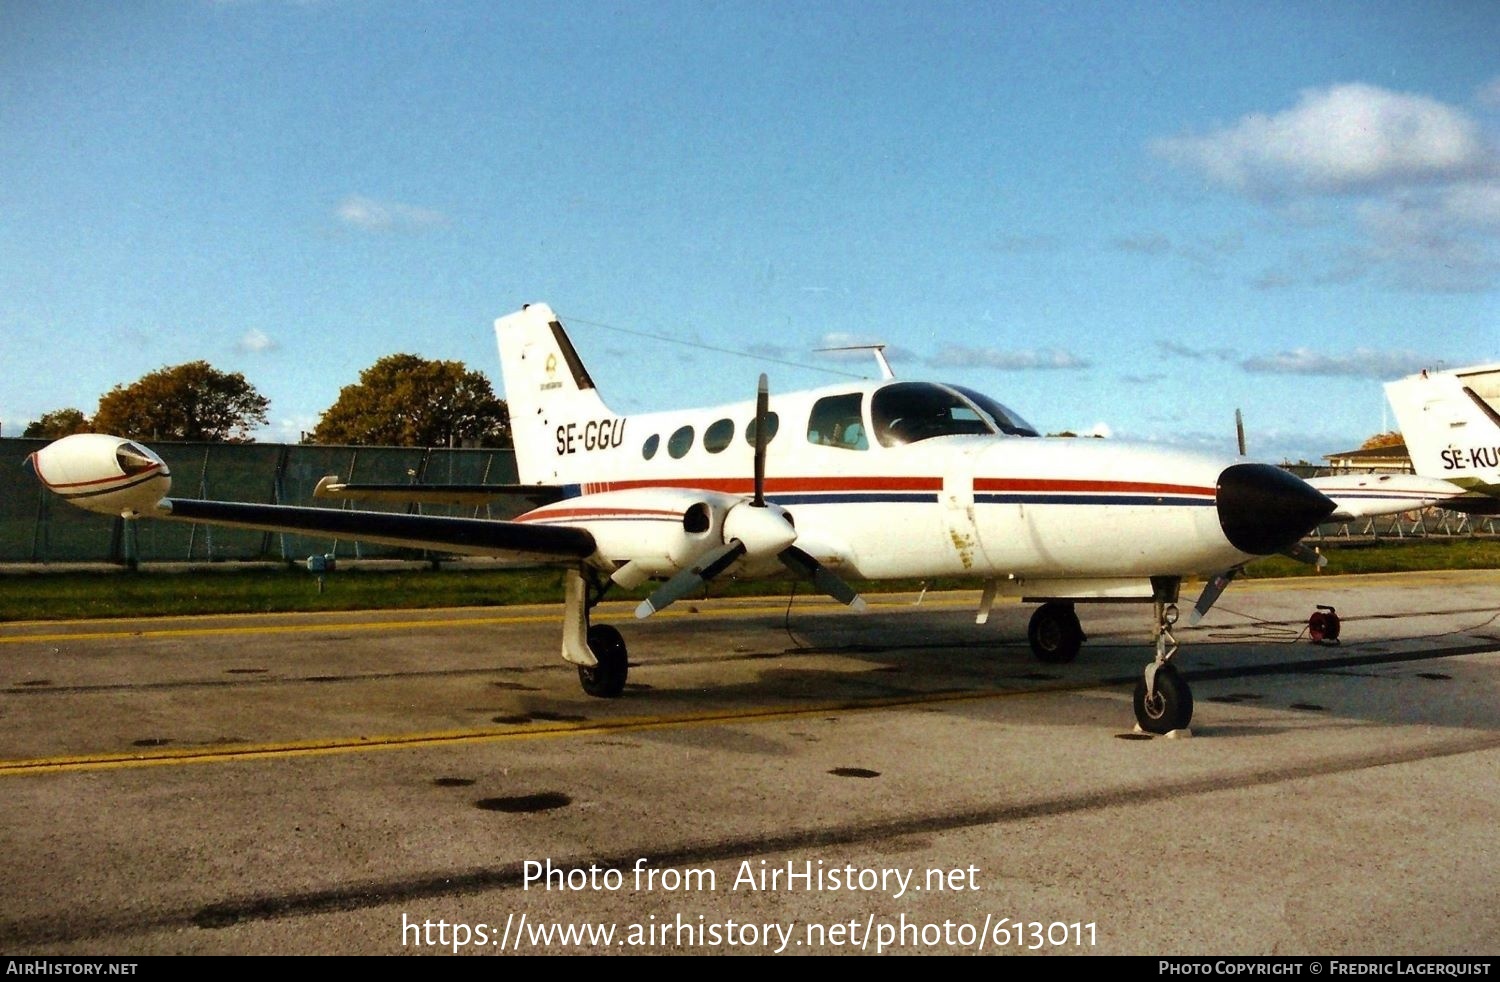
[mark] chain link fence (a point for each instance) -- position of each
(37, 527)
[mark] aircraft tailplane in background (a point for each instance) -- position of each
(1451, 424)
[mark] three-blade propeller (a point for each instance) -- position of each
(752, 528)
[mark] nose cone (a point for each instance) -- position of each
(1264, 509)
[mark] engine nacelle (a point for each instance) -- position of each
(100, 473)
(663, 530)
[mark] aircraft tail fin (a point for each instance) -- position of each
(1451, 422)
(547, 390)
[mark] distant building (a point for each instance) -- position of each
(1393, 459)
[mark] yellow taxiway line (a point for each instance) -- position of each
(231, 630)
(224, 753)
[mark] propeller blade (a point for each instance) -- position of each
(1211, 591)
(824, 579)
(762, 408)
(710, 564)
(1304, 554)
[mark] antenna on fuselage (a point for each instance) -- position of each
(878, 350)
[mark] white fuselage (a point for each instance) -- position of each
(988, 505)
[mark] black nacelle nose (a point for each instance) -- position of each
(1264, 509)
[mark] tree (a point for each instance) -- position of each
(409, 401)
(57, 424)
(1391, 439)
(194, 401)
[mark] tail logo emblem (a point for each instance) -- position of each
(551, 368)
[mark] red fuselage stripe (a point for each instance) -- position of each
(845, 484)
(83, 484)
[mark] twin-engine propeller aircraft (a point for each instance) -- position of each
(874, 480)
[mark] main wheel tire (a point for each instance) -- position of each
(605, 680)
(1054, 633)
(1170, 706)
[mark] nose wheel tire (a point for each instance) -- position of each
(1170, 705)
(605, 680)
(1054, 633)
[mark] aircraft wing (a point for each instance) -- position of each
(470, 536)
(437, 494)
(114, 476)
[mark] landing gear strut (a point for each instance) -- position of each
(598, 650)
(1163, 701)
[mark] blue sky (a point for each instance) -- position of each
(1131, 217)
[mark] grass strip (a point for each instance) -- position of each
(238, 588)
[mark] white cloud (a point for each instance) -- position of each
(1149, 244)
(256, 341)
(1359, 363)
(952, 356)
(1193, 351)
(1440, 240)
(778, 352)
(1348, 138)
(369, 215)
(956, 356)
(288, 429)
(1412, 184)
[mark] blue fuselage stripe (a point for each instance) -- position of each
(876, 497)
(1090, 499)
(928, 498)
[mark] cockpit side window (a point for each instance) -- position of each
(838, 421)
(907, 412)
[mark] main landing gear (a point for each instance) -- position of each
(598, 649)
(1054, 633)
(1163, 701)
(606, 680)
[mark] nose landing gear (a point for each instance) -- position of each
(1163, 701)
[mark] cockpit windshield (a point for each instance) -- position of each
(906, 412)
(1000, 415)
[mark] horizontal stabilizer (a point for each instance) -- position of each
(1474, 504)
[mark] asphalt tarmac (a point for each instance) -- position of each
(792, 779)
